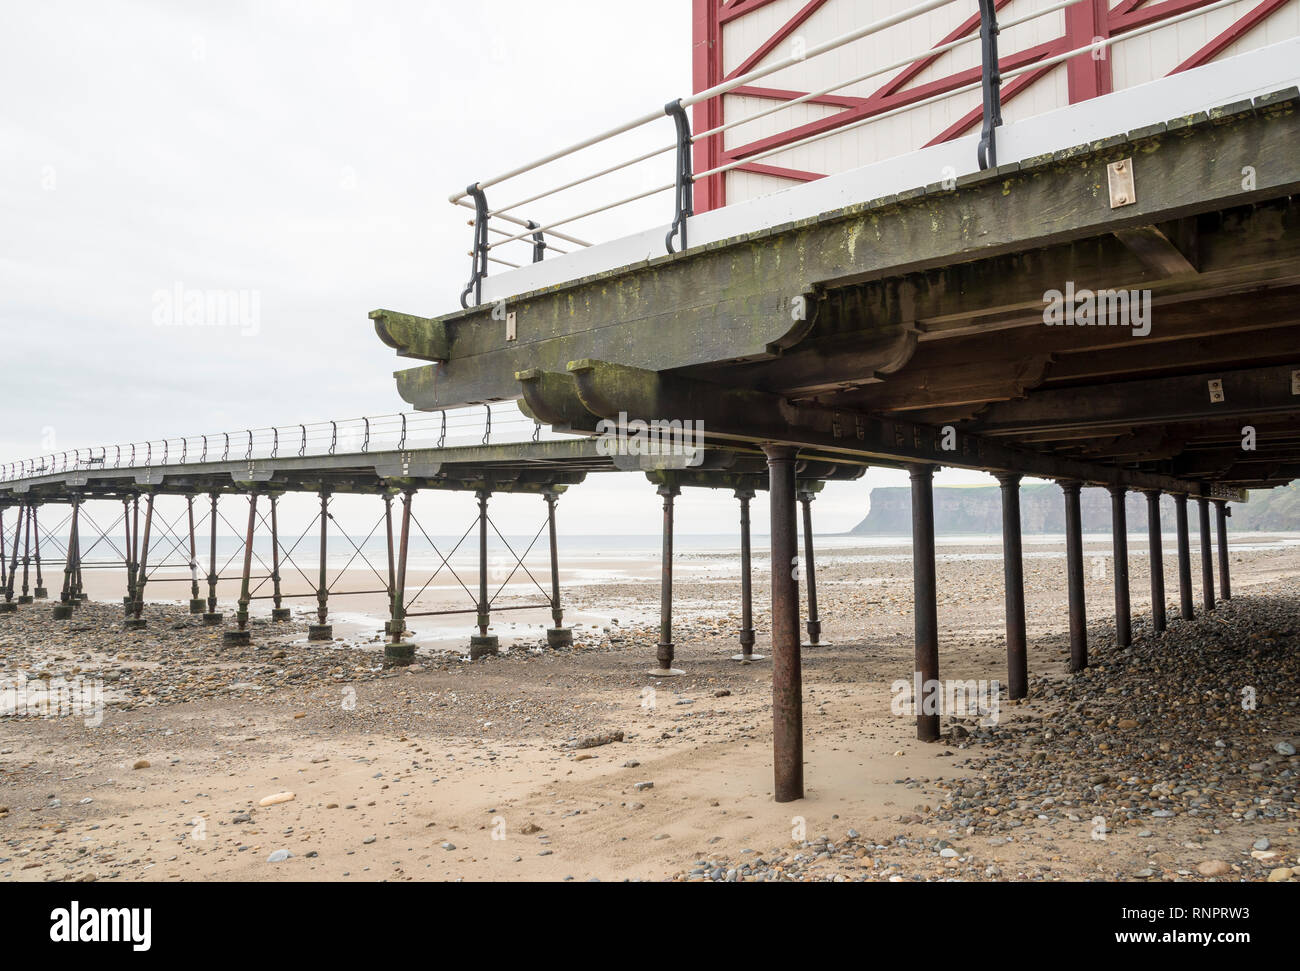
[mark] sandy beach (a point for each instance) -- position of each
(1146, 767)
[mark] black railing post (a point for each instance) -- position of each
(479, 266)
(539, 242)
(685, 188)
(991, 82)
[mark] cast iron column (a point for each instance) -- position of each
(927, 694)
(1156, 555)
(137, 621)
(787, 676)
(7, 606)
(278, 612)
(665, 652)
(398, 652)
(1207, 554)
(1119, 546)
(1074, 576)
(25, 597)
(196, 602)
(67, 596)
(321, 631)
(559, 635)
(806, 497)
(483, 644)
(1221, 520)
(40, 593)
(746, 583)
(242, 635)
(212, 618)
(1013, 582)
(1184, 558)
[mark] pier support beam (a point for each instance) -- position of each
(927, 695)
(1188, 611)
(131, 530)
(483, 644)
(136, 619)
(8, 606)
(398, 652)
(1221, 520)
(1156, 556)
(1119, 547)
(807, 493)
(787, 675)
(665, 652)
(39, 592)
(746, 583)
(68, 595)
(322, 631)
(558, 635)
(278, 611)
(1074, 576)
(25, 597)
(242, 635)
(1207, 553)
(212, 618)
(196, 602)
(1014, 586)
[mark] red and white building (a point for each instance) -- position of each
(733, 37)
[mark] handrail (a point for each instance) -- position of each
(396, 432)
(488, 239)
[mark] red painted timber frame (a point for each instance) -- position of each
(1086, 77)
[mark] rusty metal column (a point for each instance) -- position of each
(483, 644)
(25, 597)
(1207, 555)
(1184, 558)
(10, 603)
(1156, 556)
(787, 673)
(927, 693)
(212, 618)
(40, 593)
(128, 535)
(67, 596)
(1221, 521)
(321, 631)
(4, 559)
(1074, 576)
(1119, 547)
(392, 564)
(278, 612)
(78, 594)
(399, 652)
(136, 620)
(746, 654)
(665, 652)
(559, 635)
(7, 606)
(196, 602)
(806, 496)
(242, 635)
(1013, 583)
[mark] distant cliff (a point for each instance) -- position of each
(978, 509)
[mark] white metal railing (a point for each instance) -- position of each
(490, 239)
(407, 430)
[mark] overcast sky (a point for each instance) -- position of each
(298, 152)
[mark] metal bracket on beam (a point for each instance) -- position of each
(1119, 175)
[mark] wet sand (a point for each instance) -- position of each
(460, 770)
